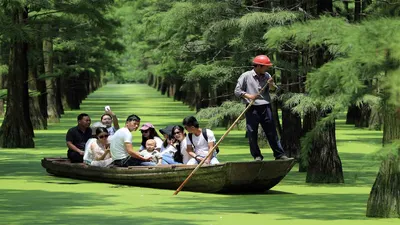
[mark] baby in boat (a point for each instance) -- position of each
(152, 152)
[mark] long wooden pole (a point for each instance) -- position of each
(219, 141)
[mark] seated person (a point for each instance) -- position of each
(94, 127)
(168, 151)
(121, 148)
(77, 137)
(199, 147)
(149, 132)
(97, 151)
(182, 155)
(109, 118)
(166, 132)
(151, 152)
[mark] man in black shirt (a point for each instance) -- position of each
(77, 137)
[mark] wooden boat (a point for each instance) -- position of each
(229, 177)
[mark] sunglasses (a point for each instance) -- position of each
(175, 133)
(144, 131)
(103, 136)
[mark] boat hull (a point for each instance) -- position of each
(230, 177)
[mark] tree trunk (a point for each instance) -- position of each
(375, 120)
(291, 135)
(39, 122)
(275, 104)
(324, 164)
(164, 86)
(365, 114)
(291, 122)
(353, 114)
(309, 122)
(159, 83)
(3, 61)
(41, 82)
(1, 99)
(150, 79)
(51, 82)
(70, 92)
(384, 198)
(16, 130)
(357, 10)
(171, 90)
(178, 93)
(59, 106)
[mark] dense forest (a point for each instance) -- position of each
(330, 57)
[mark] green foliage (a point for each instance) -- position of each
(3, 93)
(3, 69)
(360, 53)
(387, 8)
(223, 115)
(394, 87)
(388, 150)
(329, 31)
(301, 103)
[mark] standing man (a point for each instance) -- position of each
(77, 137)
(201, 141)
(121, 148)
(248, 86)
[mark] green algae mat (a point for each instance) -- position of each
(28, 195)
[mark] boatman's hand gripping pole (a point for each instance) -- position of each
(219, 141)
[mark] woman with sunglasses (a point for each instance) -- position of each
(180, 136)
(149, 132)
(97, 152)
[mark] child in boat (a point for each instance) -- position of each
(152, 152)
(97, 151)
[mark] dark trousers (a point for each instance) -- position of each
(261, 114)
(74, 157)
(130, 161)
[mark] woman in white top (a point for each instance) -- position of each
(97, 151)
(149, 132)
(180, 136)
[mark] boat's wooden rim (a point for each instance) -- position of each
(178, 166)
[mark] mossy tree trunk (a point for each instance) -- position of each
(39, 122)
(275, 105)
(291, 122)
(384, 198)
(1, 99)
(324, 164)
(41, 82)
(365, 114)
(16, 130)
(357, 10)
(309, 122)
(4, 50)
(375, 120)
(353, 114)
(178, 94)
(51, 82)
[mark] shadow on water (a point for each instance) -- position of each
(288, 206)
(47, 207)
